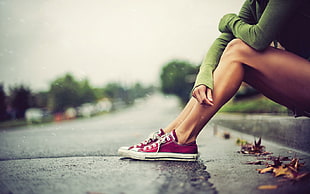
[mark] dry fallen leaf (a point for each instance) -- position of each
(256, 148)
(267, 187)
(295, 164)
(278, 168)
(265, 170)
(289, 171)
(282, 170)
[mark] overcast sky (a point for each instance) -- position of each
(103, 40)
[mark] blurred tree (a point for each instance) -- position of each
(99, 93)
(64, 93)
(177, 77)
(3, 114)
(20, 100)
(139, 91)
(115, 91)
(87, 93)
(40, 100)
(67, 92)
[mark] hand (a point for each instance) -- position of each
(203, 95)
(224, 23)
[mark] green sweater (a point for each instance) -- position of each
(258, 24)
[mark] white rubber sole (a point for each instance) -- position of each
(124, 152)
(163, 156)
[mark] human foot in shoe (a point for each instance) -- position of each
(124, 151)
(166, 148)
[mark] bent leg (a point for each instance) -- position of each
(280, 75)
(228, 77)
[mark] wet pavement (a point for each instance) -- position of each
(103, 175)
(81, 157)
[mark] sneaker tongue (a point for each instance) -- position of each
(174, 135)
(152, 135)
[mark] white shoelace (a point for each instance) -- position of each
(154, 136)
(162, 140)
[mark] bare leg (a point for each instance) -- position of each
(224, 80)
(280, 75)
(286, 81)
(193, 102)
(176, 122)
(228, 77)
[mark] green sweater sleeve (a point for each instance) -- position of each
(260, 35)
(257, 24)
(211, 60)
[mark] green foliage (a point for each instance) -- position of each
(67, 92)
(259, 104)
(177, 78)
(64, 92)
(87, 93)
(246, 91)
(139, 91)
(115, 91)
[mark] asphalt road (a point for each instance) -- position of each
(80, 156)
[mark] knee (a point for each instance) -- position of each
(235, 43)
(237, 49)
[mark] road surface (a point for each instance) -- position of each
(80, 156)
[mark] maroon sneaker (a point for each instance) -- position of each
(124, 151)
(166, 148)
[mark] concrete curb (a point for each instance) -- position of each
(285, 130)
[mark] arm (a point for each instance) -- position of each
(211, 60)
(204, 81)
(260, 35)
(214, 54)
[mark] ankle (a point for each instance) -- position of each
(183, 138)
(167, 130)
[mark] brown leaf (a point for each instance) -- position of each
(267, 187)
(277, 162)
(258, 143)
(295, 164)
(289, 171)
(256, 148)
(265, 170)
(292, 169)
(282, 170)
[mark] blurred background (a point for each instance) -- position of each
(65, 59)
